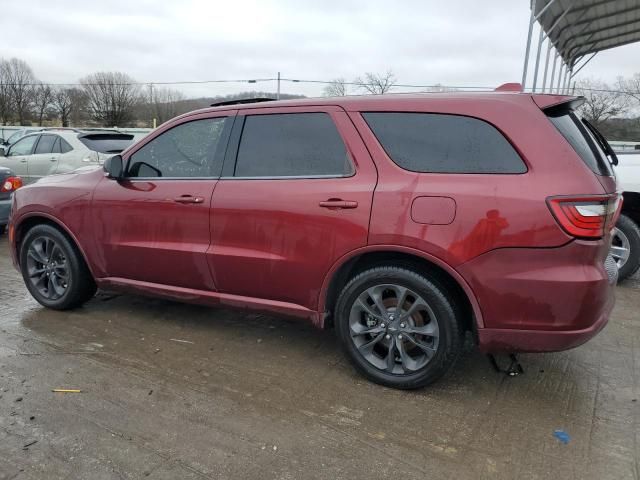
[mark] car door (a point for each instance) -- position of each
(295, 196)
(153, 225)
(17, 156)
(44, 161)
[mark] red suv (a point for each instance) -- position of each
(405, 221)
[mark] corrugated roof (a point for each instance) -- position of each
(580, 27)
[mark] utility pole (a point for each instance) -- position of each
(151, 109)
(278, 93)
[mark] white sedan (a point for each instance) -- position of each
(37, 155)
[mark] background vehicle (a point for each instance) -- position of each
(15, 136)
(37, 155)
(405, 221)
(9, 183)
(626, 236)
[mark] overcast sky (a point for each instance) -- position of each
(458, 42)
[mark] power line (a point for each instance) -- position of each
(291, 80)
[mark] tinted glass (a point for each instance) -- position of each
(24, 146)
(187, 150)
(45, 144)
(291, 144)
(64, 146)
(437, 143)
(581, 140)
(56, 146)
(109, 143)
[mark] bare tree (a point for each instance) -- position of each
(165, 103)
(601, 103)
(376, 83)
(630, 87)
(42, 98)
(111, 97)
(20, 80)
(337, 88)
(6, 101)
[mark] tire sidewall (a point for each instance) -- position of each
(632, 232)
(436, 297)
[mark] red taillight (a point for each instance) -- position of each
(10, 184)
(586, 216)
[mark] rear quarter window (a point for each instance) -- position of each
(442, 143)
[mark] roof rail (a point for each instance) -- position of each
(242, 100)
(509, 87)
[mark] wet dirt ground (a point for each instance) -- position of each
(172, 391)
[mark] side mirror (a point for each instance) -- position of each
(113, 167)
(2, 152)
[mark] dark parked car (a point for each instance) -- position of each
(9, 183)
(405, 221)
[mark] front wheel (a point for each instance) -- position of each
(398, 328)
(53, 269)
(625, 247)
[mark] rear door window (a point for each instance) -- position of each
(572, 129)
(45, 144)
(291, 145)
(441, 143)
(107, 143)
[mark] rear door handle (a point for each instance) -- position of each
(336, 203)
(188, 199)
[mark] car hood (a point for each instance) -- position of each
(65, 177)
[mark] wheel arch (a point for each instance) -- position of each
(366, 257)
(32, 219)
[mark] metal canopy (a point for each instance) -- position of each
(576, 30)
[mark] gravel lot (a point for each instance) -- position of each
(172, 391)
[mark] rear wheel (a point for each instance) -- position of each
(625, 247)
(398, 328)
(53, 270)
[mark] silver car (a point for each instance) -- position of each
(37, 155)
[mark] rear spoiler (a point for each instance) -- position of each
(550, 101)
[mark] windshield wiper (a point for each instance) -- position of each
(602, 142)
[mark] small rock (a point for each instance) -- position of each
(150, 392)
(19, 399)
(275, 448)
(32, 418)
(259, 340)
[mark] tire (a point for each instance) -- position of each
(53, 269)
(626, 235)
(431, 336)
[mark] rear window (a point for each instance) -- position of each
(572, 129)
(440, 143)
(107, 143)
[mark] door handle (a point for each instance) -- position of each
(53, 159)
(337, 203)
(188, 199)
(23, 161)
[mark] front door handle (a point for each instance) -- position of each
(337, 203)
(188, 199)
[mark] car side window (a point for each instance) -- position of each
(56, 146)
(291, 145)
(64, 146)
(45, 144)
(24, 146)
(443, 143)
(192, 149)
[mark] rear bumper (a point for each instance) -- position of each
(542, 299)
(494, 340)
